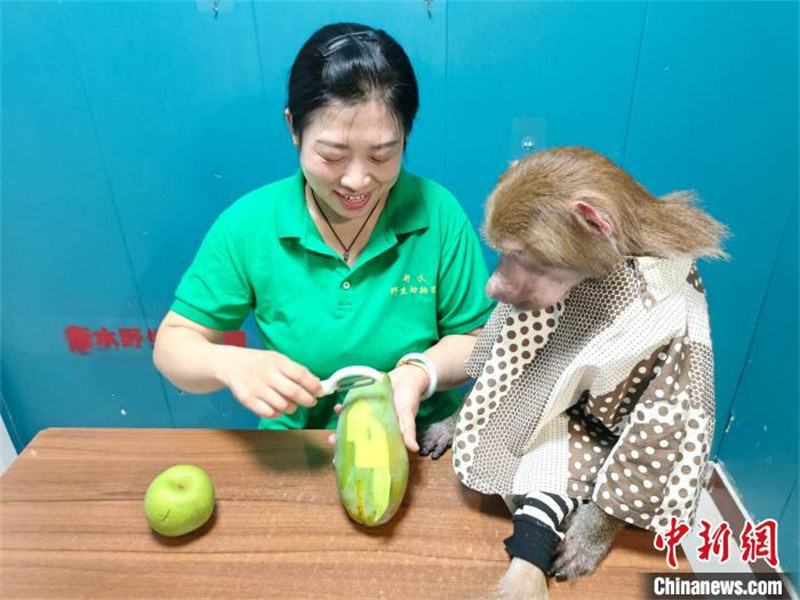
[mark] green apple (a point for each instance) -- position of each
(179, 500)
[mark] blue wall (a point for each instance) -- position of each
(761, 445)
(128, 126)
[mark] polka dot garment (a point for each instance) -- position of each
(607, 395)
(522, 336)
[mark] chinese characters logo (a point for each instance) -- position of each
(413, 286)
(755, 542)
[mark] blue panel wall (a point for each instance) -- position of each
(64, 259)
(556, 73)
(761, 446)
(127, 127)
(177, 98)
(717, 112)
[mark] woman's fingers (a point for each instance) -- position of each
(260, 408)
(292, 391)
(304, 378)
(408, 427)
(274, 399)
(406, 386)
(270, 384)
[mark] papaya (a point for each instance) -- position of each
(370, 458)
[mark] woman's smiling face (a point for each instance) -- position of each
(351, 157)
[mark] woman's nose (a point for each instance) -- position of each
(356, 177)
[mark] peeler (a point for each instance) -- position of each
(349, 378)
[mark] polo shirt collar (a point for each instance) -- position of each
(290, 221)
(405, 209)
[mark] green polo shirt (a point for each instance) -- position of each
(420, 277)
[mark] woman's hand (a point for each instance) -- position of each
(266, 382)
(409, 383)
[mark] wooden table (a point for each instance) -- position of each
(73, 527)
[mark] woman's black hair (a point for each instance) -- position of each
(350, 63)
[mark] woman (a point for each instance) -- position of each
(351, 261)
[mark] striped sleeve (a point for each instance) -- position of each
(536, 527)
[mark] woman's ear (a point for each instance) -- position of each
(593, 218)
(290, 124)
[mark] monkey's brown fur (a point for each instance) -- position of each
(533, 203)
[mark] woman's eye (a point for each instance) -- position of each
(379, 160)
(331, 159)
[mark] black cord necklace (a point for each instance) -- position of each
(346, 249)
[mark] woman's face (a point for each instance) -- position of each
(351, 157)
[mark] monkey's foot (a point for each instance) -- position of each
(586, 542)
(522, 581)
(438, 437)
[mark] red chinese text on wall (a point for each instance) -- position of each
(84, 340)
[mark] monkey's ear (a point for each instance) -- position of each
(594, 218)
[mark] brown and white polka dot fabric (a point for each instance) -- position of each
(694, 279)
(521, 337)
(608, 395)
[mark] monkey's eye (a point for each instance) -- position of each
(511, 253)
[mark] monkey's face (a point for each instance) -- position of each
(524, 283)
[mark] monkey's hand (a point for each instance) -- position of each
(522, 581)
(438, 437)
(586, 542)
